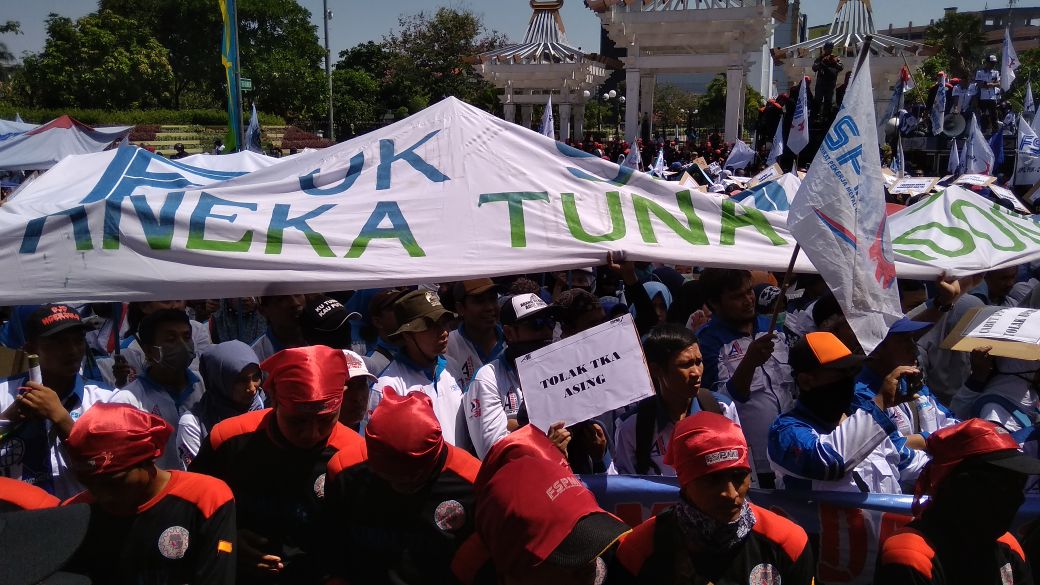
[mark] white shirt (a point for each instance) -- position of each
(625, 439)
(984, 76)
(468, 357)
(443, 390)
(146, 395)
(493, 398)
(13, 449)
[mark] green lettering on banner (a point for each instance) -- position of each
(957, 209)
(751, 217)
(80, 230)
(280, 222)
(617, 219)
(515, 204)
(1016, 222)
(204, 211)
(692, 232)
(907, 239)
(157, 230)
(399, 230)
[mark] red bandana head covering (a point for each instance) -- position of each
(109, 438)
(952, 445)
(404, 438)
(306, 380)
(704, 443)
(527, 441)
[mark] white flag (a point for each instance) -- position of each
(633, 159)
(1008, 62)
(1028, 144)
(838, 217)
(939, 107)
(955, 159)
(740, 156)
(978, 157)
(898, 160)
(798, 137)
(1028, 105)
(547, 120)
(778, 145)
(659, 163)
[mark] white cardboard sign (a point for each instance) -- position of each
(974, 179)
(1012, 324)
(913, 185)
(585, 375)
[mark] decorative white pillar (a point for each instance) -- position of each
(734, 101)
(509, 112)
(579, 122)
(565, 122)
(647, 84)
(526, 114)
(632, 101)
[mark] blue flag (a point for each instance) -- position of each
(996, 144)
(229, 58)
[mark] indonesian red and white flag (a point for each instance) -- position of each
(838, 217)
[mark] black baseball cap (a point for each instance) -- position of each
(325, 321)
(37, 543)
(52, 319)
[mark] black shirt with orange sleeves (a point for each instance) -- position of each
(185, 534)
(278, 488)
(913, 556)
(776, 551)
(376, 530)
(18, 495)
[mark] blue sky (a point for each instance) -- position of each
(356, 21)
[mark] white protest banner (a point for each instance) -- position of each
(1011, 324)
(714, 169)
(963, 232)
(974, 179)
(771, 172)
(913, 185)
(585, 375)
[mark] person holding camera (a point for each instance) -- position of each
(834, 439)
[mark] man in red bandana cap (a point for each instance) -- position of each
(537, 522)
(714, 534)
(147, 525)
(400, 514)
(974, 485)
(274, 460)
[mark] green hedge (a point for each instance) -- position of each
(128, 117)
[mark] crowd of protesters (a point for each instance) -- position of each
(382, 436)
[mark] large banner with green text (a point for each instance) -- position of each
(449, 193)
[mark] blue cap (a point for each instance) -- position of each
(905, 325)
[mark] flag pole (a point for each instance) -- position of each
(864, 51)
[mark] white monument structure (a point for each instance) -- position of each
(853, 20)
(685, 36)
(544, 63)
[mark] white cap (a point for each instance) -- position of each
(356, 366)
(522, 306)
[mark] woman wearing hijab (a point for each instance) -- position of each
(232, 377)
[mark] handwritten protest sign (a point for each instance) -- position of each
(585, 375)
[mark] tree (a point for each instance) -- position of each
(355, 100)
(102, 60)
(430, 56)
(960, 41)
(713, 104)
(672, 106)
(6, 57)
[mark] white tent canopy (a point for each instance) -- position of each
(42, 147)
(447, 194)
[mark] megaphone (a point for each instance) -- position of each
(953, 125)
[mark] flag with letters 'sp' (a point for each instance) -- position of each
(838, 216)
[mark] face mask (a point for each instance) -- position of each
(176, 356)
(831, 401)
(517, 349)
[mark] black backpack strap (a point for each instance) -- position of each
(646, 423)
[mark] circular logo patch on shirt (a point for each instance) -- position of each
(319, 486)
(173, 542)
(449, 515)
(764, 574)
(11, 452)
